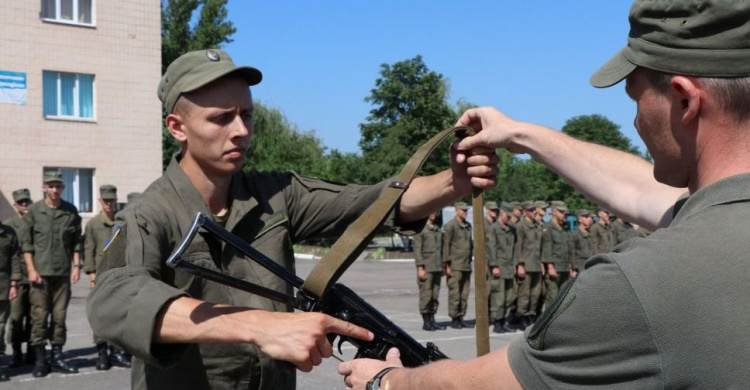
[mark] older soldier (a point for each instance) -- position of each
(10, 274)
(20, 307)
(428, 259)
(457, 246)
(555, 252)
(527, 255)
(582, 242)
(98, 232)
(601, 234)
(188, 333)
(51, 244)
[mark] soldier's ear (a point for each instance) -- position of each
(175, 127)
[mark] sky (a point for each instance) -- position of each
(530, 59)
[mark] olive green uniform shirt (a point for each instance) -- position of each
(583, 248)
(428, 249)
(457, 245)
(601, 238)
(528, 249)
(622, 231)
(10, 260)
(98, 231)
(500, 245)
(52, 235)
(15, 223)
(269, 210)
(665, 312)
(555, 246)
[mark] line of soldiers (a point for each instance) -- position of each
(40, 257)
(529, 260)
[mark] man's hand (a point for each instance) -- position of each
(494, 130)
(448, 270)
(13, 293)
(358, 372)
(495, 272)
(92, 279)
(300, 338)
(473, 167)
(573, 273)
(75, 275)
(34, 277)
(521, 271)
(552, 270)
(421, 273)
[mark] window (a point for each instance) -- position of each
(68, 95)
(67, 11)
(79, 187)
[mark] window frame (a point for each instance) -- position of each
(58, 15)
(76, 117)
(75, 189)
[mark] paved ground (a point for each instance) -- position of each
(389, 285)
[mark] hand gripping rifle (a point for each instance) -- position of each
(339, 301)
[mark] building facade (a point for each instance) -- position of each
(78, 83)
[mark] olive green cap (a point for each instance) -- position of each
(21, 194)
(541, 204)
(516, 205)
(506, 207)
(52, 176)
(708, 38)
(461, 205)
(196, 69)
(559, 206)
(583, 213)
(529, 205)
(108, 191)
(491, 205)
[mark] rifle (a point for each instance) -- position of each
(339, 301)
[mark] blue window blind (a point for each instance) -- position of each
(49, 82)
(68, 95)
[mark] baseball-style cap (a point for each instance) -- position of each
(541, 204)
(583, 213)
(196, 69)
(516, 205)
(21, 194)
(559, 206)
(108, 191)
(52, 176)
(491, 205)
(461, 205)
(691, 37)
(529, 205)
(506, 207)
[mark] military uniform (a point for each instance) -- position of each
(556, 251)
(657, 322)
(528, 252)
(98, 231)
(428, 254)
(601, 238)
(10, 270)
(583, 248)
(502, 298)
(457, 246)
(622, 231)
(269, 210)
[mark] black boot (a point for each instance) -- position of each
(465, 324)
(435, 324)
(498, 327)
(41, 368)
(426, 323)
(510, 324)
(17, 358)
(456, 323)
(102, 363)
(4, 375)
(30, 355)
(57, 363)
(118, 357)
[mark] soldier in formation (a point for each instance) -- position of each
(457, 252)
(428, 259)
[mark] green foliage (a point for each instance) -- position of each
(410, 107)
(599, 130)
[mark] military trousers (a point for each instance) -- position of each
(510, 286)
(458, 293)
(20, 316)
(429, 290)
(50, 296)
(553, 285)
(502, 297)
(529, 290)
(4, 314)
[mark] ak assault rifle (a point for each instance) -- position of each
(339, 301)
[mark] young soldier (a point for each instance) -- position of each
(189, 333)
(555, 252)
(494, 285)
(428, 258)
(527, 252)
(10, 275)
(457, 247)
(601, 234)
(503, 298)
(622, 230)
(51, 244)
(97, 234)
(581, 242)
(20, 307)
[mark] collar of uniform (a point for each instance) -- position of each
(242, 199)
(553, 223)
(732, 189)
(191, 198)
(463, 224)
(105, 219)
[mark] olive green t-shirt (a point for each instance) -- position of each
(667, 311)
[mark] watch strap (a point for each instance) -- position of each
(374, 383)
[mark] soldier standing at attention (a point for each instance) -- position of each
(428, 258)
(601, 235)
(555, 252)
(505, 237)
(494, 285)
(457, 246)
(20, 307)
(10, 274)
(195, 334)
(582, 242)
(98, 231)
(527, 255)
(622, 230)
(51, 244)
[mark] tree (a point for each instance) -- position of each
(179, 36)
(410, 107)
(599, 130)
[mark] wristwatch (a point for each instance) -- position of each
(374, 383)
